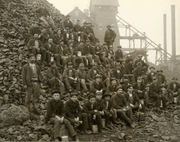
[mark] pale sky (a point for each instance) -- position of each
(145, 15)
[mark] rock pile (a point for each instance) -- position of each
(11, 114)
(16, 18)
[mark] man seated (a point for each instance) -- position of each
(70, 78)
(154, 92)
(121, 106)
(160, 77)
(55, 113)
(74, 113)
(54, 79)
(4, 100)
(97, 84)
(163, 101)
(94, 115)
(82, 75)
(139, 88)
(109, 113)
(151, 74)
(113, 86)
(34, 45)
(174, 89)
(91, 75)
(133, 99)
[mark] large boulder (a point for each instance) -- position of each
(11, 114)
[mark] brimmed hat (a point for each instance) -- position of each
(106, 94)
(174, 78)
(69, 63)
(99, 91)
(56, 91)
(98, 76)
(91, 95)
(74, 94)
(151, 67)
(119, 87)
(108, 26)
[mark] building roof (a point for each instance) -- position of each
(77, 14)
(104, 3)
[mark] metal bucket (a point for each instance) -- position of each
(175, 100)
(64, 139)
(103, 121)
(94, 129)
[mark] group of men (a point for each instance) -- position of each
(89, 82)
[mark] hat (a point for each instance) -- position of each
(74, 94)
(85, 23)
(106, 94)
(119, 87)
(99, 91)
(174, 78)
(151, 67)
(81, 65)
(113, 78)
(70, 63)
(129, 86)
(98, 76)
(108, 26)
(56, 91)
(31, 55)
(91, 95)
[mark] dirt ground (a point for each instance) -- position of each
(155, 126)
(158, 126)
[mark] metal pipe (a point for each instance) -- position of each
(173, 26)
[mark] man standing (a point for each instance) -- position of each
(110, 36)
(32, 77)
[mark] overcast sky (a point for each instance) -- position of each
(145, 15)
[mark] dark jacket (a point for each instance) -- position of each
(150, 77)
(119, 101)
(154, 90)
(54, 108)
(118, 54)
(104, 105)
(89, 107)
(134, 99)
(94, 86)
(72, 109)
(110, 36)
(27, 74)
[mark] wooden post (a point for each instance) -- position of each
(165, 38)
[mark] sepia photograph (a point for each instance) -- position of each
(90, 70)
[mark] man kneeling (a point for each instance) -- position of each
(55, 113)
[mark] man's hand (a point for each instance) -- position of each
(61, 119)
(102, 112)
(132, 105)
(25, 86)
(76, 119)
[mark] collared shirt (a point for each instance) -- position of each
(107, 104)
(34, 71)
